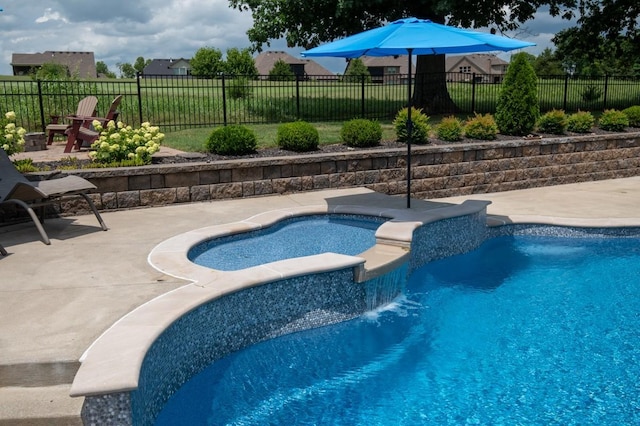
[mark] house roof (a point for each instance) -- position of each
(481, 61)
(81, 63)
(163, 66)
(266, 60)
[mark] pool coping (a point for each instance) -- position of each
(112, 363)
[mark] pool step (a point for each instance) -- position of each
(37, 394)
(36, 406)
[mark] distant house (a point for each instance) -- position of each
(82, 64)
(488, 68)
(303, 68)
(386, 69)
(168, 67)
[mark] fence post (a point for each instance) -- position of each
(298, 96)
(224, 101)
(362, 80)
(138, 77)
(473, 92)
(41, 104)
(566, 92)
(606, 87)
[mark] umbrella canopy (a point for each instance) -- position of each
(410, 36)
(422, 36)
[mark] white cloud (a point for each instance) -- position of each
(50, 15)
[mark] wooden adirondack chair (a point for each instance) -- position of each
(82, 134)
(86, 107)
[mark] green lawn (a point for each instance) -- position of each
(193, 140)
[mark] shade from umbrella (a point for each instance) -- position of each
(410, 36)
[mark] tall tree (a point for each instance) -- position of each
(606, 39)
(313, 22)
(240, 63)
(207, 62)
(102, 68)
(126, 70)
(140, 63)
(547, 64)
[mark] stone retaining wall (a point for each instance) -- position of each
(437, 171)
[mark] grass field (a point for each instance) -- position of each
(193, 140)
(185, 103)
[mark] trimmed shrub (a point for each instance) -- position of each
(232, 140)
(554, 122)
(361, 133)
(482, 127)
(633, 114)
(420, 126)
(580, 122)
(613, 120)
(298, 136)
(450, 129)
(518, 109)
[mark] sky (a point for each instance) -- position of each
(119, 31)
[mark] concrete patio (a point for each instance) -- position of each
(56, 300)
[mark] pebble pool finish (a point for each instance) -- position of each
(234, 321)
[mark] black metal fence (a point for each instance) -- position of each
(181, 102)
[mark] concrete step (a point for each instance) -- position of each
(37, 374)
(39, 406)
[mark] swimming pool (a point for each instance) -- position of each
(293, 237)
(523, 330)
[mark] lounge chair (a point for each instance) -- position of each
(15, 188)
(81, 132)
(86, 107)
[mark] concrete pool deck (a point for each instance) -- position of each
(56, 300)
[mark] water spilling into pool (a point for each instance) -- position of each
(294, 237)
(524, 330)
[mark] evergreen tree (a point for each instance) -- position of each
(518, 109)
(281, 71)
(356, 70)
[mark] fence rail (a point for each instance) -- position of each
(180, 102)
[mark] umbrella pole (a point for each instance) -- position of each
(409, 133)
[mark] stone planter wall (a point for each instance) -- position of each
(437, 171)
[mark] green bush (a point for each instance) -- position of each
(613, 120)
(232, 140)
(554, 122)
(420, 126)
(298, 136)
(591, 93)
(633, 114)
(361, 133)
(518, 109)
(239, 88)
(482, 127)
(281, 71)
(580, 122)
(450, 129)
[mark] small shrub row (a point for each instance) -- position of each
(300, 136)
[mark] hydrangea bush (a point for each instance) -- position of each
(11, 136)
(119, 143)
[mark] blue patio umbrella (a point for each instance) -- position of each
(411, 36)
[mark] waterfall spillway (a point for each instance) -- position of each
(384, 288)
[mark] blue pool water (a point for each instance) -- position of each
(295, 237)
(524, 330)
